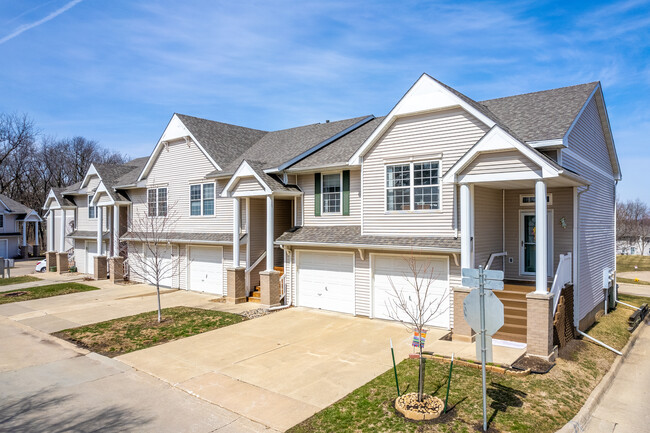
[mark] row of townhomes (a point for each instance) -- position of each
(326, 215)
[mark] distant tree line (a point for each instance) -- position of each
(633, 223)
(31, 162)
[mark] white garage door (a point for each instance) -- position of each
(326, 281)
(91, 252)
(396, 270)
(166, 271)
(206, 270)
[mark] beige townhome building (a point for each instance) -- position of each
(328, 215)
(14, 221)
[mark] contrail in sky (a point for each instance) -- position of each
(26, 27)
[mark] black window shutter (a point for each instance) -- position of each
(346, 192)
(317, 194)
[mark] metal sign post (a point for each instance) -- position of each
(490, 315)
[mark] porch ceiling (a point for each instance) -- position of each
(551, 182)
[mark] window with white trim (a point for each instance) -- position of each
(202, 199)
(413, 186)
(157, 202)
(529, 199)
(331, 193)
(92, 210)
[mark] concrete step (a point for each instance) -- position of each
(254, 300)
(510, 336)
(256, 294)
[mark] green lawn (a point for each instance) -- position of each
(127, 334)
(631, 281)
(627, 263)
(535, 403)
(43, 292)
(18, 280)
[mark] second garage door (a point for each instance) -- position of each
(394, 271)
(206, 270)
(326, 281)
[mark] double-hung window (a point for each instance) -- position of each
(202, 199)
(157, 202)
(331, 193)
(413, 186)
(92, 210)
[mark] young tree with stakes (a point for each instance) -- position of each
(150, 260)
(418, 305)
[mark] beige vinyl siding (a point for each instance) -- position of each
(362, 284)
(306, 183)
(488, 225)
(562, 238)
(450, 133)
(248, 185)
(242, 214)
(104, 200)
(183, 267)
(257, 237)
(587, 138)
(135, 251)
(511, 161)
(299, 211)
(282, 212)
(176, 168)
(597, 237)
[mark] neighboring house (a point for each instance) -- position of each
(525, 184)
(633, 246)
(14, 218)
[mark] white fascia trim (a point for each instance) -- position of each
(48, 200)
(497, 139)
(368, 246)
(395, 113)
(559, 142)
(161, 143)
(610, 142)
(244, 170)
(92, 171)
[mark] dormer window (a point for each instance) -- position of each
(92, 210)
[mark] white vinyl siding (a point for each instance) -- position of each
(178, 167)
(587, 139)
(511, 161)
(306, 183)
(446, 136)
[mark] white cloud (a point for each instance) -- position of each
(43, 20)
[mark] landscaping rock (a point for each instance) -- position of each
(429, 408)
(254, 314)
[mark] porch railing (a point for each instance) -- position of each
(250, 268)
(494, 256)
(283, 287)
(563, 276)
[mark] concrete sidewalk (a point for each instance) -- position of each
(47, 384)
(625, 406)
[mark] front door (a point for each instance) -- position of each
(527, 242)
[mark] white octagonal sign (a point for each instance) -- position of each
(493, 311)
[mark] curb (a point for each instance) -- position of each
(579, 422)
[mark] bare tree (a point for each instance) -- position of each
(633, 223)
(415, 304)
(152, 260)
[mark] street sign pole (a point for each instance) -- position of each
(481, 278)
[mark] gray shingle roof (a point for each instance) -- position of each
(270, 179)
(339, 152)
(544, 115)
(223, 142)
(280, 146)
(181, 237)
(351, 237)
(13, 206)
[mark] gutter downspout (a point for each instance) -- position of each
(576, 299)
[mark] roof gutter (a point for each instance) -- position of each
(319, 146)
(368, 246)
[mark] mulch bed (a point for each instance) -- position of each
(535, 364)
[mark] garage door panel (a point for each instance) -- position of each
(206, 269)
(393, 275)
(326, 281)
(91, 252)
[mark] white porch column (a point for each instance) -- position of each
(465, 226)
(541, 238)
(116, 231)
(236, 217)
(36, 233)
(24, 233)
(100, 225)
(62, 236)
(269, 232)
(50, 232)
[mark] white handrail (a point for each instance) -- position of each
(494, 256)
(563, 276)
(250, 268)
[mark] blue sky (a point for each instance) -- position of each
(116, 71)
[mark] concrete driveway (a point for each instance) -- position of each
(282, 368)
